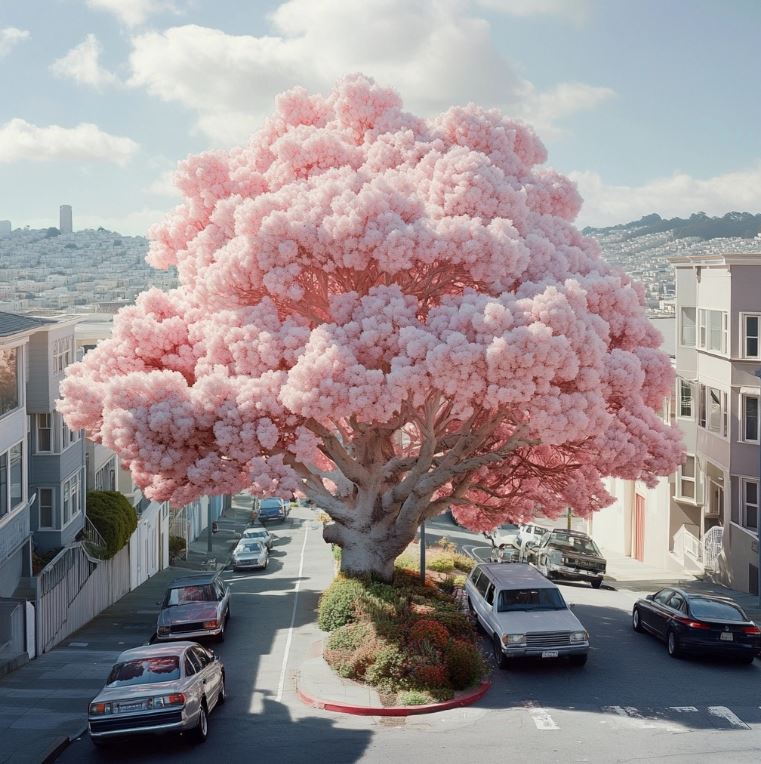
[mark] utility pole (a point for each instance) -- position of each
(208, 527)
(569, 515)
(422, 551)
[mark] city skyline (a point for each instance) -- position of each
(116, 91)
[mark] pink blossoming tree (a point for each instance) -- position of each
(389, 314)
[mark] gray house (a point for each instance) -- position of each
(56, 454)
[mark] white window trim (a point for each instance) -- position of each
(703, 334)
(40, 526)
(742, 438)
(14, 509)
(743, 506)
(63, 353)
(20, 386)
(51, 427)
(743, 335)
(693, 398)
(694, 480)
(74, 476)
(682, 308)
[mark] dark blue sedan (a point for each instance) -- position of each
(697, 623)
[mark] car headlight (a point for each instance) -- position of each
(163, 630)
(513, 639)
(579, 636)
(211, 624)
(99, 709)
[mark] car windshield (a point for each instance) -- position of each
(270, 504)
(709, 609)
(144, 671)
(251, 546)
(181, 595)
(545, 598)
(254, 534)
(582, 544)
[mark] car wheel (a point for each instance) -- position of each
(747, 659)
(672, 644)
(636, 620)
(266, 563)
(578, 660)
(499, 657)
(201, 732)
(222, 692)
(597, 583)
(221, 635)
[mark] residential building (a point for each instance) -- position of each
(717, 489)
(56, 453)
(15, 531)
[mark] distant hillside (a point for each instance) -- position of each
(740, 225)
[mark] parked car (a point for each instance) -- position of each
(273, 509)
(569, 555)
(531, 533)
(260, 534)
(158, 689)
(194, 606)
(697, 623)
(250, 553)
(524, 614)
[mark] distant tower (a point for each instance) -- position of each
(65, 219)
(5, 227)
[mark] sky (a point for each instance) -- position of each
(648, 105)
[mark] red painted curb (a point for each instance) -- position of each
(430, 708)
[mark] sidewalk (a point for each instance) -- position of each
(43, 704)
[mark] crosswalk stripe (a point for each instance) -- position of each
(542, 719)
(724, 713)
(683, 709)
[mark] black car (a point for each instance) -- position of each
(697, 623)
(568, 555)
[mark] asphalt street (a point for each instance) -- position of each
(631, 702)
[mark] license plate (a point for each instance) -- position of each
(727, 636)
(549, 653)
(125, 707)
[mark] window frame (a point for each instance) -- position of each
(683, 383)
(53, 525)
(694, 327)
(67, 494)
(744, 326)
(744, 482)
(707, 330)
(19, 362)
(51, 432)
(744, 397)
(693, 479)
(63, 353)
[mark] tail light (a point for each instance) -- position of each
(98, 709)
(211, 624)
(754, 630)
(164, 701)
(690, 624)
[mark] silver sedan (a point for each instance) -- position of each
(158, 689)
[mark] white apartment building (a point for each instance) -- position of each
(717, 490)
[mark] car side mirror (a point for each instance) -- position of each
(650, 597)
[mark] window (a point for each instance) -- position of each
(44, 432)
(201, 656)
(45, 505)
(489, 596)
(750, 498)
(685, 399)
(713, 330)
(105, 477)
(751, 326)
(677, 603)
(687, 327)
(165, 668)
(544, 598)
(72, 499)
(750, 422)
(11, 479)
(713, 410)
(482, 585)
(9, 382)
(190, 667)
(67, 436)
(663, 596)
(3, 484)
(686, 482)
(63, 353)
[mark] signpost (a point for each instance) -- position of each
(422, 551)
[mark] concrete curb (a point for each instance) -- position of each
(59, 745)
(430, 708)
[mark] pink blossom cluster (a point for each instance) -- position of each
(354, 268)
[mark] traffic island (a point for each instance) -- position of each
(320, 687)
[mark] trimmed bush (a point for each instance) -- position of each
(428, 630)
(431, 676)
(176, 546)
(390, 664)
(348, 637)
(441, 564)
(463, 562)
(337, 604)
(465, 665)
(113, 516)
(414, 698)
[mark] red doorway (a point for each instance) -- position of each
(639, 527)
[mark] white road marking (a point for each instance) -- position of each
(636, 718)
(281, 683)
(683, 709)
(724, 713)
(542, 719)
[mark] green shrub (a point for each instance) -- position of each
(414, 698)
(463, 562)
(113, 516)
(407, 562)
(447, 585)
(445, 544)
(348, 637)
(176, 546)
(390, 664)
(336, 552)
(458, 624)
(337, 604)
(441, 564)
(464, 664)
(459, 581)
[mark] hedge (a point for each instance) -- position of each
(113, 516)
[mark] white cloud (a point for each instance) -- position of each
(82, 64)
(21, 140)
(676, 196)
(434, 53)
(576, 10)
(10, 37)
(132, 12)
(164, 185)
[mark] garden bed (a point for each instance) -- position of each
(410, 640)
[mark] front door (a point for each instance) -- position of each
(639, 527)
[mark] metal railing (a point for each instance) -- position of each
(712, 544)
(687, 544)
(95, 544)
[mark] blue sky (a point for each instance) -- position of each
(650, 105)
